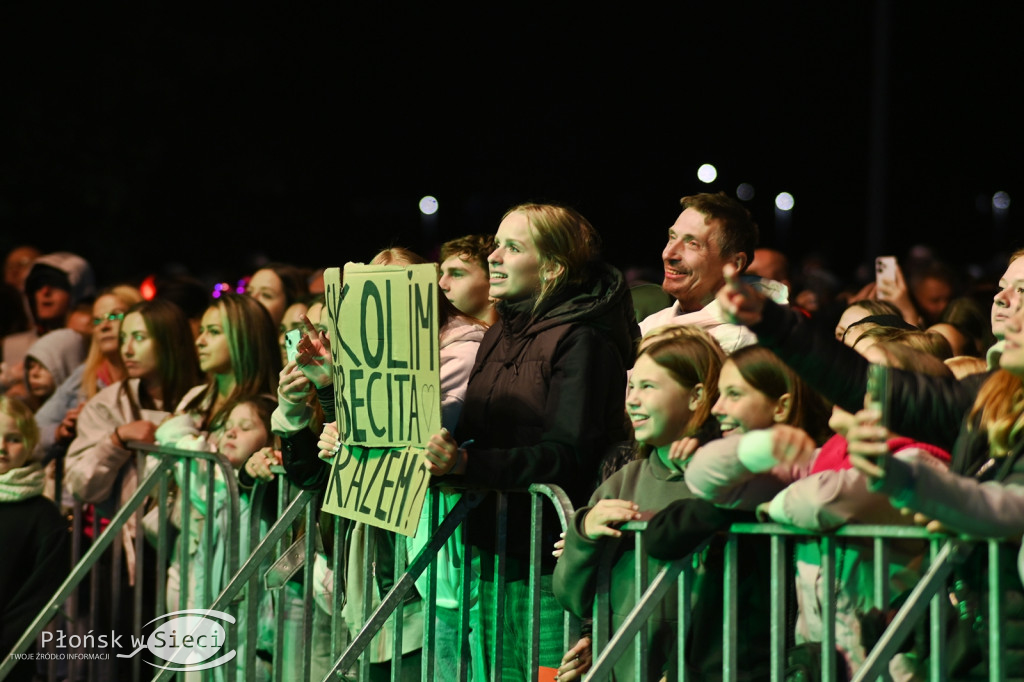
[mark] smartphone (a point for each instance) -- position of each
(291, 343)
(878, 388)
(885, 270)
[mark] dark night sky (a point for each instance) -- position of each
(141, 136)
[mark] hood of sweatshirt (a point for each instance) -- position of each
(603, 301)
(59, 351)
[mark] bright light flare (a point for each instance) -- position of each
(707, 173)
(784, 201)
(428, 205)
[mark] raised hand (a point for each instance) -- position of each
(292, 384)
(868, 440)
(313, 357)
(680, 452)
(741, 302)
(791, 445)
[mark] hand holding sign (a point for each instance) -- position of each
(314, 355)
(330, 442)
(444, 455)
(383, 325)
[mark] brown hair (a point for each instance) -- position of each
(399, 255)
(177, 363)
(932, 343)
(472, 247)
(254, 352)
(691, 356)
(736, 231)
(765, 372)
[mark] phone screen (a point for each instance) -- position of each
(291, 343)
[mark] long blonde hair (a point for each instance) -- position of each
(128, 296)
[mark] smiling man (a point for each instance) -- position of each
(712, 230)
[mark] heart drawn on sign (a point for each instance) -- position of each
(427, 407)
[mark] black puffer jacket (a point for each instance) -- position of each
(545, 399)
(922, 407)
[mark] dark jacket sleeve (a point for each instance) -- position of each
(586, 374)
(681, 527)
(301, 461)
(50, 564)
(923, 407)
(575, 576)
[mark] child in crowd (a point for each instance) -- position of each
(245, 434)
(779, 471)
(672, 387)
(49, 361)
(33, 533)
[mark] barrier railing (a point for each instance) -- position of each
(928, 598)
(156, 467)
(282, 557)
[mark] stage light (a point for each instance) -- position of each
(707, 173)
(1000, 201)
(745, 192)
(784, 201)
(148, 288)
(428, 205)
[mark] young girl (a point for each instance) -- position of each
(245, 435)
(818, 490)
(49, 361)
(671, 390)
(33, 533)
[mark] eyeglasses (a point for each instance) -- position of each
(112, 317)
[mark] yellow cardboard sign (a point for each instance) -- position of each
(383, 322)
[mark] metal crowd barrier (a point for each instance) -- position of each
(928, 599)
(276, 556)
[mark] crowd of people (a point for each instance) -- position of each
(734, 392)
